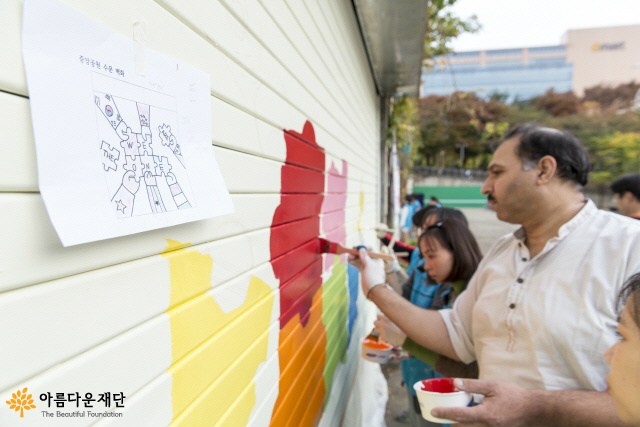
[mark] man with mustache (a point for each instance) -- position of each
(540, 310)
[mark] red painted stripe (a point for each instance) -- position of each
(302, 153)
(301, 180)
(297, 206)
(296, 289)
(291, 263)
(294, 234)
(299, 298)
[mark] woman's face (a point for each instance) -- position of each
(624, 377)
(438, 261)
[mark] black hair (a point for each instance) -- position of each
(419, 216)
(537, 142)
(631, 292)
(444, 213)
(455, 236)
(626, 183)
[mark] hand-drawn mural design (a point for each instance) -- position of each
(143, 164)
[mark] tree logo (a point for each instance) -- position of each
(21, 401)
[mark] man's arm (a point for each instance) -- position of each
(508, 405)
(422, 325)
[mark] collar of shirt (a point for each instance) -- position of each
(587, 212)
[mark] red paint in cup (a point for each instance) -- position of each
(439, 385)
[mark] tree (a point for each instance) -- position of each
(449, 123)
(404, 124)
(443, 27)
(557, 104)
(608, 98)
(618, 154)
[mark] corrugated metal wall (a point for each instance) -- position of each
(232, 321)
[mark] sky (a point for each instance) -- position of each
(528, 23)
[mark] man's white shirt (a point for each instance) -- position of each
(545, 323)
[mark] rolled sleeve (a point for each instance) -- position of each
(459, 323)
(460, 339)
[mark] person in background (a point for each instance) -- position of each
(626, 193)
(417, 205)
(433, 201)
(451, 255)
(539, 311)
(415, 274)
(420, 215)
(389, 243)
(406, 213)
(624, 356)
(415, 286)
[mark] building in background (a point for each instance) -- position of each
(585, 58)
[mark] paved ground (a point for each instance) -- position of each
(487, 228)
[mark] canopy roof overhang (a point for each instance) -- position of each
(393, 32)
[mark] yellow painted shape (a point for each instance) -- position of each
(199, 318)
(241, 409)
(214, 353)
(213, 405)
(190, 272)
(193, 373)
(174, 245)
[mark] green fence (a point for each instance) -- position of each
(460, 197)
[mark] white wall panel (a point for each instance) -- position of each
(24, 223)
(18, 161)
(12, 73)
(264, 29)
(300, 31)
(232, 38)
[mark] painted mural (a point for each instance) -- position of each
(313, 315)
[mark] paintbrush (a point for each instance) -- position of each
(328, 247)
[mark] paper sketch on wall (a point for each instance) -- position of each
(121, 148)
(145, 170)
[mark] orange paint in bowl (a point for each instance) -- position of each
(377, 344)
(376, 351)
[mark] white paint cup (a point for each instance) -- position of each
(376, 351)
(440, 393)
